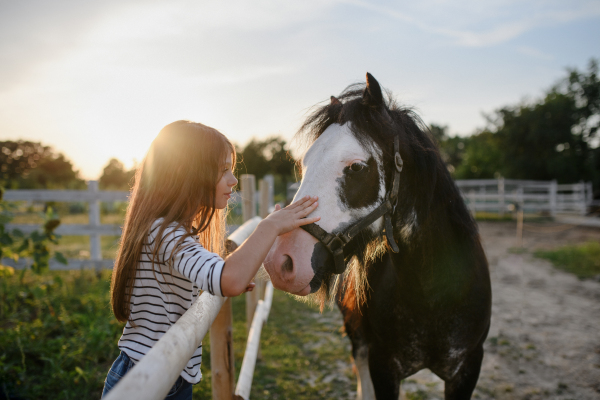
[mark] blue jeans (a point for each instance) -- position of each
(181, 390)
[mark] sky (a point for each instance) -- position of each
(97, 80)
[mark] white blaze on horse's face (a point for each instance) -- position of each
(349, 180)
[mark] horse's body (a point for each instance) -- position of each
(427, 306)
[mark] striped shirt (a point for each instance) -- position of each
(162, 295)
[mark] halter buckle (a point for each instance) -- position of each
(399, 162)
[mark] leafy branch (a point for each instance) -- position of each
(14, 244)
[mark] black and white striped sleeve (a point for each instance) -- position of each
(192, 260)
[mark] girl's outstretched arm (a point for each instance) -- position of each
(241, 266)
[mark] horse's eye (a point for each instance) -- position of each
(356, 167)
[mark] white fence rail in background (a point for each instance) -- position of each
(94, 229)
(497, 195)
(491, 195)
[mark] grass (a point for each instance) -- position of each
(490, 216)
(495, 217)
(57, 335)
(68, 219)
(582, 260)
(58, 339)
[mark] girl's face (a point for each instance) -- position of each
(225, 184)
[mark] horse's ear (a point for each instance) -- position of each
(372, 94)
(334, 100)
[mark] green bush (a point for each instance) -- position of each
(582, 260)
(14, 244)
(58, 336)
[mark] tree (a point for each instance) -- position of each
(266, 157)
(253, 159)
(31, 165)
(537, 141)
(115, 177)
(269, 156)
(452, 149)
(555, 137)
(585, 90)
(481, 157)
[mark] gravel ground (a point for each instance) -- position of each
(544, 341)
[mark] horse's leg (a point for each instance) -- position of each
(360, 353)
(386, 373)
(463, 382)
(364, 386)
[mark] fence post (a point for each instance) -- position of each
(221, 338)
(248, 199)
(248, 212)
(221, 354)
(553, 197)
(520, 200)
(582, 198)
(271, 187)
(502, 200)
(265, 188)
(94, 221)
(472, 204)
(263, 204)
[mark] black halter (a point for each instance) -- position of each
(336, 243)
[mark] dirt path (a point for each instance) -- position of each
(544, 341)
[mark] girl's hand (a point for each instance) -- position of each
(294, 215)
(250, 287)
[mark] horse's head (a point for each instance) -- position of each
(350, 165)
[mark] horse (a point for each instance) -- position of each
(396, 248)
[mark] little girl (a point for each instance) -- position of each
(173, 239)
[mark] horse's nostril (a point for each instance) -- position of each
(288, 265)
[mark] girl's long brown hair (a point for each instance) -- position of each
(176, 181)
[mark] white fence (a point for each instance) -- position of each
(94, 229)
(480, 195)
(531, 196)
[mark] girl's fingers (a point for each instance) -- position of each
(303, 202)
(307, 205)
(298, 204)
(306, 221)
(308, 209)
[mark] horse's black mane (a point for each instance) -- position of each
(351, 108)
